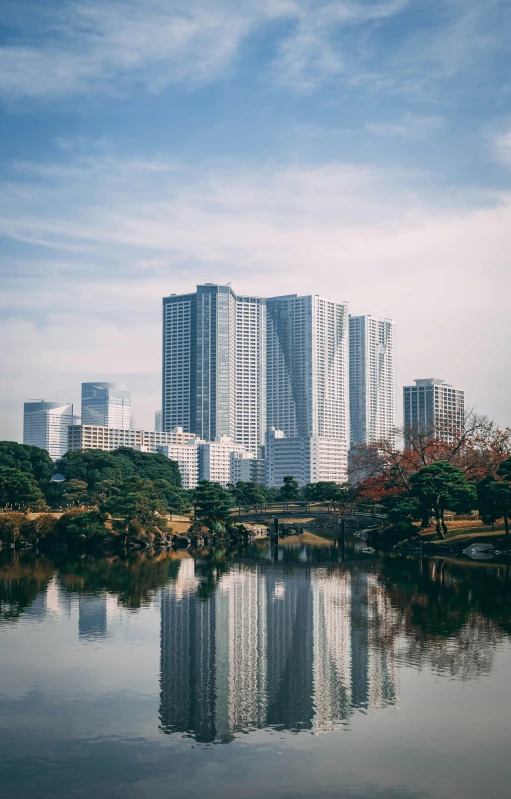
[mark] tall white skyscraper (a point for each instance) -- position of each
(107, 405)
(250, 373)
(45, 425)
(307, 378)
(213, 365)
(372, 379)
(434, 407)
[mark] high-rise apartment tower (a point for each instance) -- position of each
(372, 379)
(307, 380)
(434, 407)
(213, 365)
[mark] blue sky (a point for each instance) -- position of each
(360, 149)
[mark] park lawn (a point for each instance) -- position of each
(467, 533)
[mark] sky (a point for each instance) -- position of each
(357, 149)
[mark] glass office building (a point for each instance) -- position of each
(46, 425)
(106, 404)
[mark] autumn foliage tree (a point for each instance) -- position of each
(385, 468)
(391, 472)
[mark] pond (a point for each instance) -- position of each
(306, 672)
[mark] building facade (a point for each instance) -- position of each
(107, 405)
(250, 373)
(307, 385)
(187, 458)
(372, 379)
(213, 365)
(434, 407)
(46, 425)
(110, 438)
(246, 468)
(309, 459)
(215, 459)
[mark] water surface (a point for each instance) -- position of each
(250, 675)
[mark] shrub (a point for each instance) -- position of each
(41, 527)
(11, 525)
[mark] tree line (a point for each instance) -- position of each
(417, 476)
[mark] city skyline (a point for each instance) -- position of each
(148, 412)
(293, 379)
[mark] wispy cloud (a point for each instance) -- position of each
(409, 126)
(78, 46)
(313, 52)
(502, 147)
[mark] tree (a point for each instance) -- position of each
(212, 502)
(102, 470)
(137, 506)
(11, 525)
(504, 470)
(33, 461)
(75, 492)
(290, 490)
(19, 491)
(477, 448)
(176, 499)
(326, 491)
(152, 466)
(494, 500)
(94, 466)
(440, 487)
(247, 494)
(76, 525)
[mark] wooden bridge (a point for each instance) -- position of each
(284, 510)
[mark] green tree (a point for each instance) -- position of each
(152, 466)
(494, 500)
(176, 499)
(504, 470)
(75, 492)
(76, 525)
(33, 461)
(19, 491)
(290, 490)
(94, 466)
(440, 487)
(326, 491)
(248, 494)
(137, 507)
(212, 502)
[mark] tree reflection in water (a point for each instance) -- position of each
(453, 614)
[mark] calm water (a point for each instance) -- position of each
(244, 677)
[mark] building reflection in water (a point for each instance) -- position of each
(300, 651)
